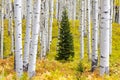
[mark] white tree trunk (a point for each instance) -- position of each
(104, 37)
(2, 29)
(24, 8)
(85, 17)
(46, 25)
(10, 26)
(18, 36)
(111, 21)
(95, 35)
(28, 35)
(56, 9)
(42, 29)
(60, 9)
(34, 42)
(51, 22)
(114, 11)
(89, 29)
(70, 5)
(74, 9)
(82, 29)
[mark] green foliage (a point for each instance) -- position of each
(65, 40)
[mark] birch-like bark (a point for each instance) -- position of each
(85, 18)
(10, 26)
(89, 29)
(42, 29)
(82, 29)
(60, 9)
(56, 16)
(51, 22)
(46, 25)
(34, 42)
(114, 11)
(70, 9)
(24, 2)
(2, 29)
(28, 35)
(95, 36)
(18, 37)
(74, 9)
(111, 21)
(104, 37)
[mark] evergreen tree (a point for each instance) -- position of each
(65, 40)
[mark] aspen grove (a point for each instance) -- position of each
(59, 39)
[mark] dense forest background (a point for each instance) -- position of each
(43, 43)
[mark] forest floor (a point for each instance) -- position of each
(50, 69)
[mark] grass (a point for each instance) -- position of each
(50, 69)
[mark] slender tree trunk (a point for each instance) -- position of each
(10, 26)
(18, 37)
(24, 9)
(56, 9)
(74, 9)
(114, 11)
(82, 29)
(51, 22)
(85, 18)
(46, 25)
(104, 37)
(34, 42)
(2, 29)
(111, 21)
(42, 29)
(70, 9)
(28, 35)
(89, 29)
(95, 36)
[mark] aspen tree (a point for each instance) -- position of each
(46, 25)
(51, 2)
(42, 29)
(18, 36)
(104, 37)
(111, 21)
(28, 35)
(82, 30)
(34, 42)
(2, 29)
(10, 25)
(74, 9)
(95, 36)
(24, 2)
(85, 17)
(89, 29)
(56, 16)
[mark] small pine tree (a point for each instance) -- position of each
(65, 40)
